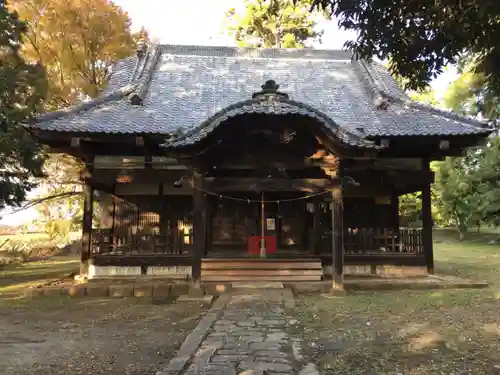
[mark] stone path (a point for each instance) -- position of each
(248, 335)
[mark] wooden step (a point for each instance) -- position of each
(222, 278)
(255, 265)
(261, 270)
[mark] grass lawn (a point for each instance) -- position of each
(412, 332)
(16, 277)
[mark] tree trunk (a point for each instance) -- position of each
(462, 230)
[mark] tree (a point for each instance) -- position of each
(274, 23)
(60, 216)
(422, 36)
(470, 95)
(77, 41)
(458, 185)
(488, 182)
(22, 92)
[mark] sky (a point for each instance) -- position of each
(201, 22)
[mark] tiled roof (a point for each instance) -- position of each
(278, 107)
(182, 88)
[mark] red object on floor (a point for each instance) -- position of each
(254, 244)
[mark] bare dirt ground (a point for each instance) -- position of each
(60, 335)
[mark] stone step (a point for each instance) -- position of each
(257, 285)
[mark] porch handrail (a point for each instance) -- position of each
(383, 240)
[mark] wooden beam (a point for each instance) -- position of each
(395, 208)
(271, 184)
(141, 260)
(427, 226)
(337, 237)
(315, 240)
(88, 203)
(444, 144)
(139, 141)
(75, 142)
(199, 230)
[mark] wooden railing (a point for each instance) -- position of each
(380, 241)
(106, 242)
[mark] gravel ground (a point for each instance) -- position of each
(59, 336)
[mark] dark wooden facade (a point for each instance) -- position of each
(266, 170)
(177, 209)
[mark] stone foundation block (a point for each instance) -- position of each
(310, 287)
(358, 270)
(177, 272)
(143, 291)
(404, 271)
(380, 270)
(97, 290)
(34, 292)
(74, 291)
(161, 290)
(120, 291)
(179, 289)
(110, 271)
(52, 291)
(201, 299)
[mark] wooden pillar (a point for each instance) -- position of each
(88, 204)
(315, 233)
(337, 240)
(427, 225)
(199, 227)
(395, 209)
(208, 224)
(338, 234)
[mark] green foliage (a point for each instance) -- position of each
(410, 207)
(470, 94)
(458, 187)
(488, 182)
(22, 91)
(422, 37)
(426, 96)
(274, 23)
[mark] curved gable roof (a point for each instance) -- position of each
(277, 106)
(180, 87)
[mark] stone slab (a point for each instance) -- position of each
(252, 372)
(34, 292)
(257, 285)
(195, 338)
(120, 291)
(51, 291)
(201, 299)
(74, 291)
(177, 290)
(309, 369)
(97, 290)
(161, 290)
(143, 291)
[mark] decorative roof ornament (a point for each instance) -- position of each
(269, 92)
(142, 48)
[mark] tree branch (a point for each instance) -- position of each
(37, 201)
